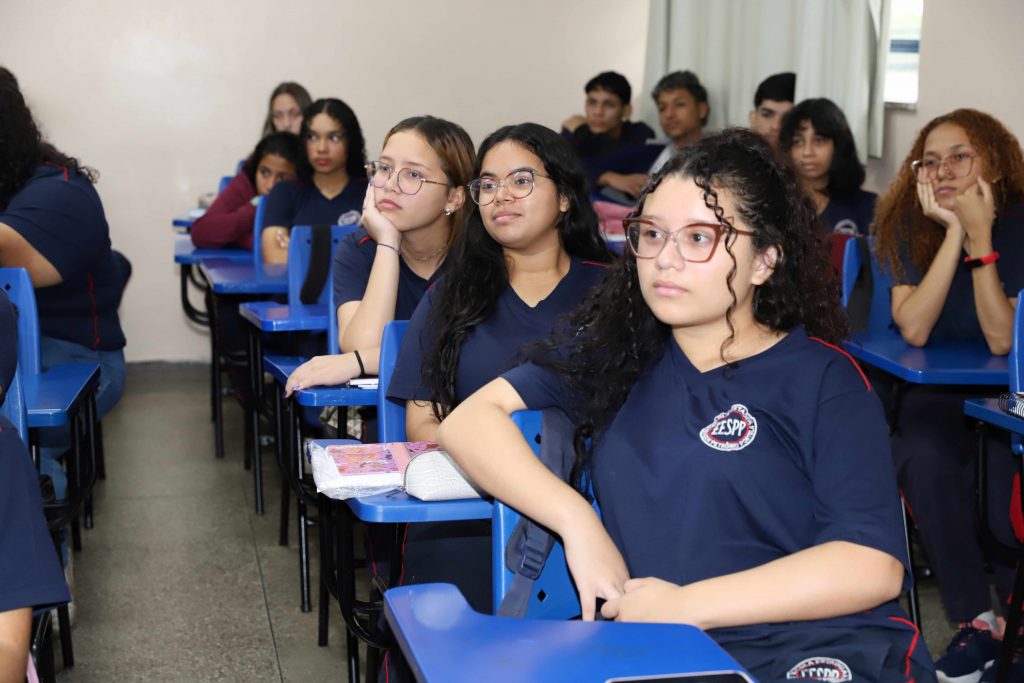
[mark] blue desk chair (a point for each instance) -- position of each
(270, 316)
(874, 282)
(390, 413)
(224, 182)
(259, 222)
(988, 412)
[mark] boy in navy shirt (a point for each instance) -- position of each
(739, 457)
(606, 127)
(772, 100)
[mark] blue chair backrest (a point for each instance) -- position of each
(257, 231)
(18, 285)
(1017, 364)
(553, 595)
(300, 253)
(390, 413)
(224, 182)
(14, 405)
(880, 313)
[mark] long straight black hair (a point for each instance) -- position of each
(477, 270)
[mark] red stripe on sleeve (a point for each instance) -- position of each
(848, 356)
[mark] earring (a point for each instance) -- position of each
(447, 212)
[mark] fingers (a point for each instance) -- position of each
(611, 608)
(985, 190)
(588, 602)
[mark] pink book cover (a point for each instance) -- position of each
(377, 458)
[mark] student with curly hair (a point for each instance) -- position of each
(52, 223)
(818, 141)
(740, 459)
(951, 230)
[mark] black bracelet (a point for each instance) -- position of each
(362, 368)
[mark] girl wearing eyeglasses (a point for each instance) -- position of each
(739, 457)
(412, 211)
(332, 184)
(951, 230)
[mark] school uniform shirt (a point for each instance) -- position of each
(293, 202)
(59, 213)
(491, 347)
(30, 573)
(353, 261)
(849, 214)
(589, 144)
(705, 474)
(229, 220)
(959, 316)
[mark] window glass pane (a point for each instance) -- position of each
(904, 51)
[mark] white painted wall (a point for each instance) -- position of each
(972, 55)
(163, 98)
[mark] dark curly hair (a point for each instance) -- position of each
(612, 338)
(22, 147)
(355, 143)
(899, 219)
(846, 173)
(477, 270)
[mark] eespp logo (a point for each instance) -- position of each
(732, 430)
(821, 669)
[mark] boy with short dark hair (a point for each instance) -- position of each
(772, 101)
(605, 127)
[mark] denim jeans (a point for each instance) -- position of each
(55, 441)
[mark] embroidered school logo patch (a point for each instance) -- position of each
(732, 430)
(821, 669)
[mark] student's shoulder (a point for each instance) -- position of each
(836, 370)
(588, 271)
(637, 132)
(54, 184)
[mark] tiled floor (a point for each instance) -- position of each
(180, 580)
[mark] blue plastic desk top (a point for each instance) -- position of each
(953, 361)
(988, 410)
(186, 220)
(445, 640)
(233, 277)
(186, 253)
(280, 367)
(270, 316)
(51, 395)
(397, 507)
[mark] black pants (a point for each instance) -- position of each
(935, 450)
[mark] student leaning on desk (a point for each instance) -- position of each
(951, 230)
(738, 456)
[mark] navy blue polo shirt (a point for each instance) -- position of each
(30, 573)
(60, 214)
(353, 261)
(959, 316)
(294, 202)
(849, 214)
(491, 347)
(704, 474)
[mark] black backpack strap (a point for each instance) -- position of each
(858, 307)
(319, 265)
(530, 544)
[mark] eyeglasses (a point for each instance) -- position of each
(518, 184)
(695, 242)
(957, 165)
(409, 180)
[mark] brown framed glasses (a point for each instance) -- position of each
(694, 242)
(956, 165)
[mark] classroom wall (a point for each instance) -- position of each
(165, 98)
(971, 56)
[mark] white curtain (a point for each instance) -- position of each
(837, 48)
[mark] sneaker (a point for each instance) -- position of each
(970, 653)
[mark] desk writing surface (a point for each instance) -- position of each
(232, 277)
(186, 253)
(398, 507)
(988, 410)
(270, 316)
(52, 395)
(943, 361)
(445, 640)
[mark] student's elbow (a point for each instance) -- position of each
(886, 576)
(999, 344)
(914, 335)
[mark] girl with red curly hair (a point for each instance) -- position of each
(951, 230)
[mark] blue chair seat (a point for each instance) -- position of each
(988, 410)
(270, 316)
(444, 639)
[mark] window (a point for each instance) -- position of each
(904, 52)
